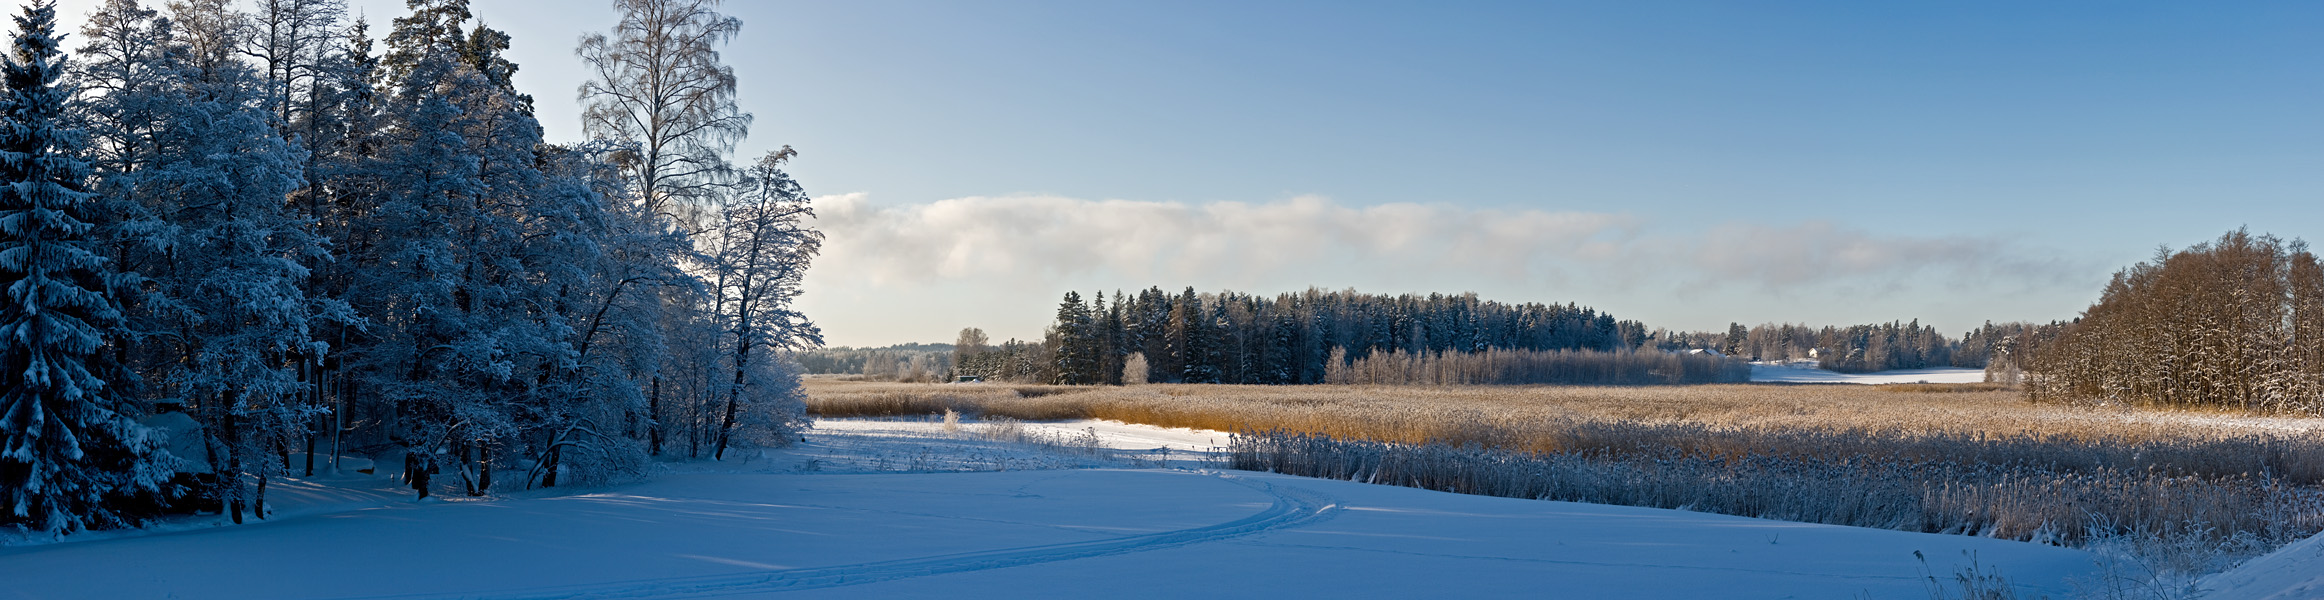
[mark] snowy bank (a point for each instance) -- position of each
(2293, 572)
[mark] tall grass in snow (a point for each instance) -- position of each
(1519, 367)
(2021, 501)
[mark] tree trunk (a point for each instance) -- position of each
(416, 468)
(231, 480)
(314, 425)
(694, 425)
(733, 397)
(484, 470)
(549, 476)
(654, 418)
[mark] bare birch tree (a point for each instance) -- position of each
(659, 85)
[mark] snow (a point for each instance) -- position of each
(181, 438)
(1806, 372)
(905, 509)
(2293, 572)
(1111, 434)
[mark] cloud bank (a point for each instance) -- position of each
(919, 272)
(1048, 239)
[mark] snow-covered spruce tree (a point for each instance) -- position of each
(1201, 339)
(70, 445)
(762, 247)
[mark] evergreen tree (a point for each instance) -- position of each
(1112, 341)
(1200, 352)
(1282, 353)
(1075, 345)
(69, 440)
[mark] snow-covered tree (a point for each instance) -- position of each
(127, 78)
(660, 91)
(762, 246)
(298, 238)
(70, 445)
(459, 349)
(228, 278)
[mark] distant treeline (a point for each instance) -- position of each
(901, 362)
(1232, 337)
(1852, 349)
(2235, 323)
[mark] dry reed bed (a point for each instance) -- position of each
(2239, 515)
(1959, 459)
(1823, 421)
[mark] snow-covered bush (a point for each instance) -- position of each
(775, 410)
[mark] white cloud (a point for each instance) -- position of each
(1048, 239)
(919, 272)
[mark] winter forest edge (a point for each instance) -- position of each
(257, 227)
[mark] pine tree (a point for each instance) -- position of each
(131, 79)
(1075, 345)
(69, 440)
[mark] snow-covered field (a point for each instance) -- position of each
(1806, 372)
(908, 509)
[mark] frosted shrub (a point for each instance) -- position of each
(775, 409)
(618, 461)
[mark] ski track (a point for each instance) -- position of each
(1292, 508)
(1584, 563)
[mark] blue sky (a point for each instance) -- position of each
(1683, 163)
